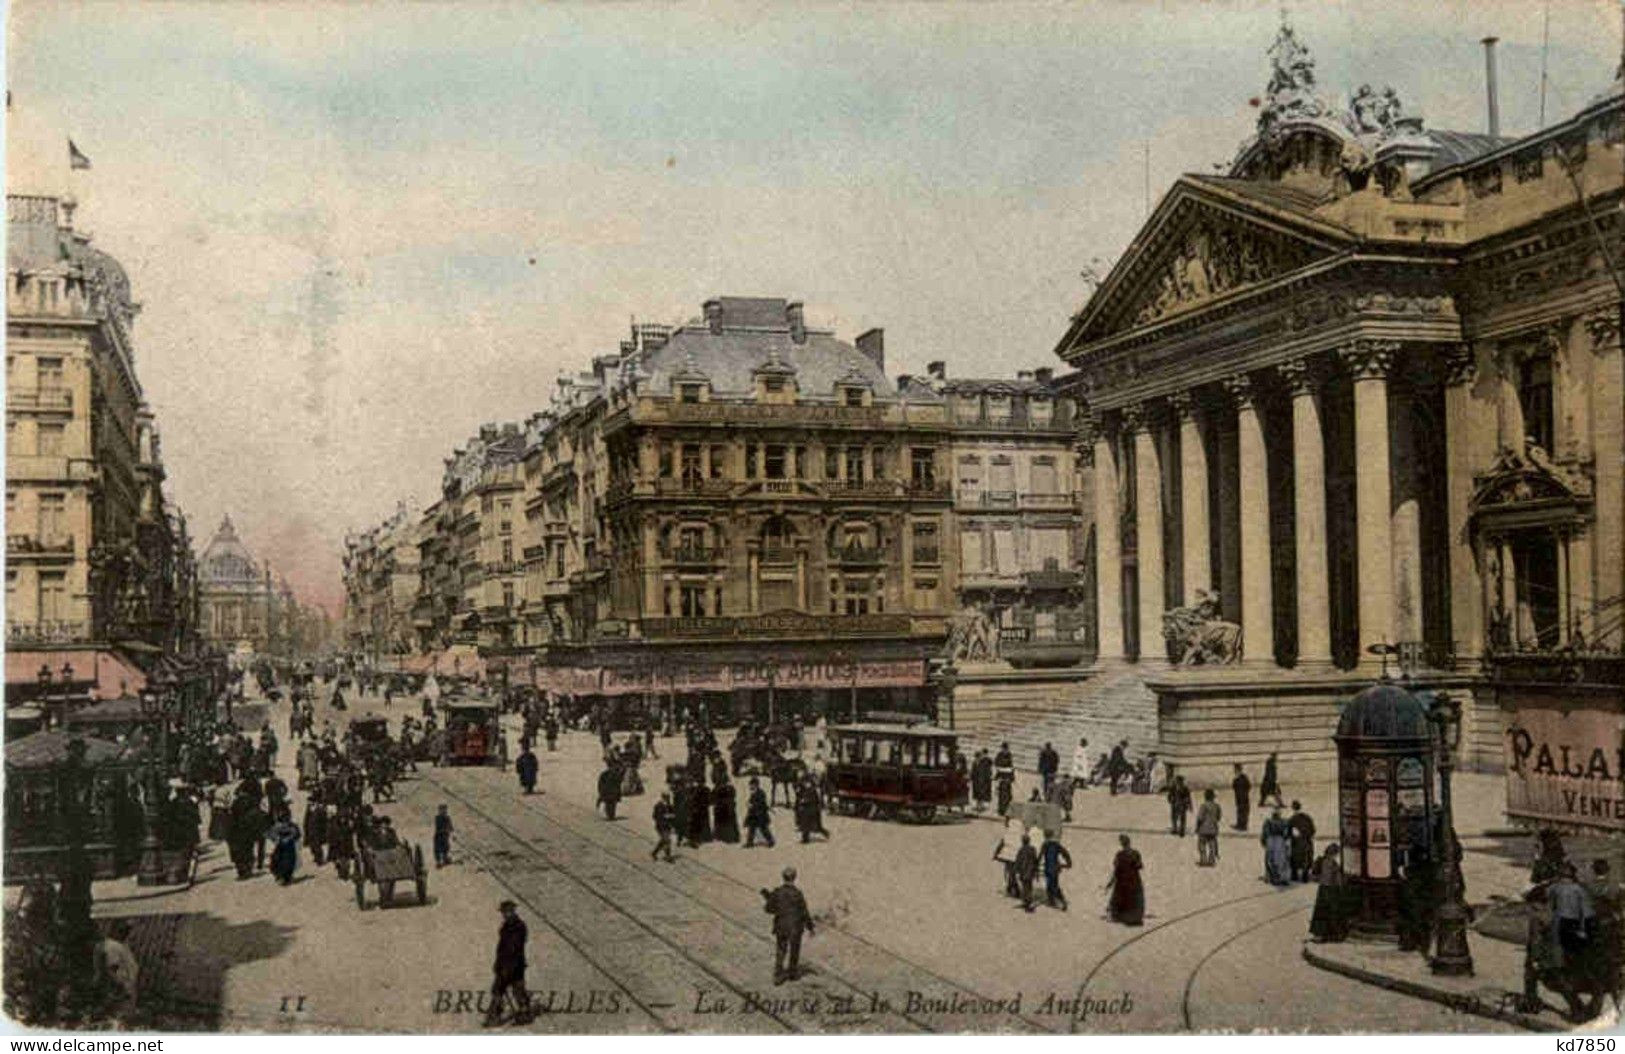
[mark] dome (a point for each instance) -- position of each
(1384, 711)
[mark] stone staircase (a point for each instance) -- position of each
(1105, 704)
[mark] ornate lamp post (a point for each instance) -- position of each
(45, 693)
(1451, 954)
(74, 877)
(151, 872)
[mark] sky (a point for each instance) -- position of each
(360, 231)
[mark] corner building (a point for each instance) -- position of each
(1365, 388)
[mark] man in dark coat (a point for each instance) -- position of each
(1026, 870)
(609, 789)
(316, 830)
(1118, 766)
(1049, 763)
(1301, 848)
(1004, 774)
(758, 816)
(341, 841)
(790, 920)
(1243, 788)
(981, 780)
(526, 767)
(508, 972)
(809, 810)
(1269, 786)
(665, 820)
(1179, 805)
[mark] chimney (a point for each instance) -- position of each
(797, 322)
(937, 371)
(1489, 84)
(713, 315)
(904, 380)
(873, 344)
(1044, 374)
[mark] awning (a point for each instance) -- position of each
(110, 674)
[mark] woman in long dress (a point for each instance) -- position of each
(1277, 866)
(285, 857)
(1333, 909)
(725, 811)
(699, 809)
(1127, 904)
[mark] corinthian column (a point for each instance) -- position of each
(1369, 361)
(1257, 614)
(1148, 530)
(1195, 534)
(1108, 553)
(1309, 503)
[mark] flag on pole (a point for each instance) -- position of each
(76, 157)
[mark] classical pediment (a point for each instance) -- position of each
(1208, 239)
(1527, 479)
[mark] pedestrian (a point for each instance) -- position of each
(1334, 900)
(725, 812)
(1418, 895)
(981, 780)
(1061, 793)
(341, 841)
(1004, 774)
(1274, 837)
(1049, 765)
(1005, 853)
(550, 731)
(508, 971)
(316, 830)
(285, 857)
(1243, 788)
(699, 809)
(1301, 847)
(248, 823)
(609, 790)
(758, 816)
(1208, 818)
(1573, 915)
(665, 818)
(1606, 944)
(1055, 859)
(1118, 766)
(1026, 869)
(442, 837)
(526, 767)
(791, 919)
(1179, 804)
(809, 811)
(1127, 886)
(1269, 786)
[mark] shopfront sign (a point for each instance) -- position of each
(731, 676)
(1567, 767)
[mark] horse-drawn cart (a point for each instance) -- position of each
(385, 867)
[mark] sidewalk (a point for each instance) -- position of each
(1385, 966)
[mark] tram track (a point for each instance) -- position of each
(1190, 980)
(789, 1011)
(693, 861)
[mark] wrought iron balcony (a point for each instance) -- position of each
(857, 555)
(692, 555)
(48, 631)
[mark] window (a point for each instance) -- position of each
(968, 409)
(773, 384)
(51, 435)
(691, 539)
(693, 600)
(693, 471)
(970, 550)
(53, 596)
(507, 550)
(50, 373)
(854, 464)
(1044, 477)
(877, 462)
(1535, 396)
(507, 595)
(719, 455)
(1002, 475)
(750, 461)
(998, 409)
(1040, 411)
(1049, 549)
(832, 462)
(53, 516)
(1044, 627)
(925, 547)
(775, 462)
(689, 393)
(922, 466)
(925, 594)
(970, 474)
(665, 461)
(854, 396)
(1004, 550)
(801, 462)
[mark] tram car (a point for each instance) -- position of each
(471, 733)
(902, 772)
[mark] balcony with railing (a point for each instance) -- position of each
(47, 631)
(777, 555)
(994, 499)
(1034, 500)
(857, 555)
(52, 545)
(692, 555)
(44, 398)
(694, 485)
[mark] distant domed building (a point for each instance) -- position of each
(238, 599)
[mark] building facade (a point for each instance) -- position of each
(381, 579)
(244, 607)
(97, 560)
(1363, 390)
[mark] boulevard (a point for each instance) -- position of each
(914, 934)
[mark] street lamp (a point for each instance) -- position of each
(1451, 954)
(45, 692)
(151, 872)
